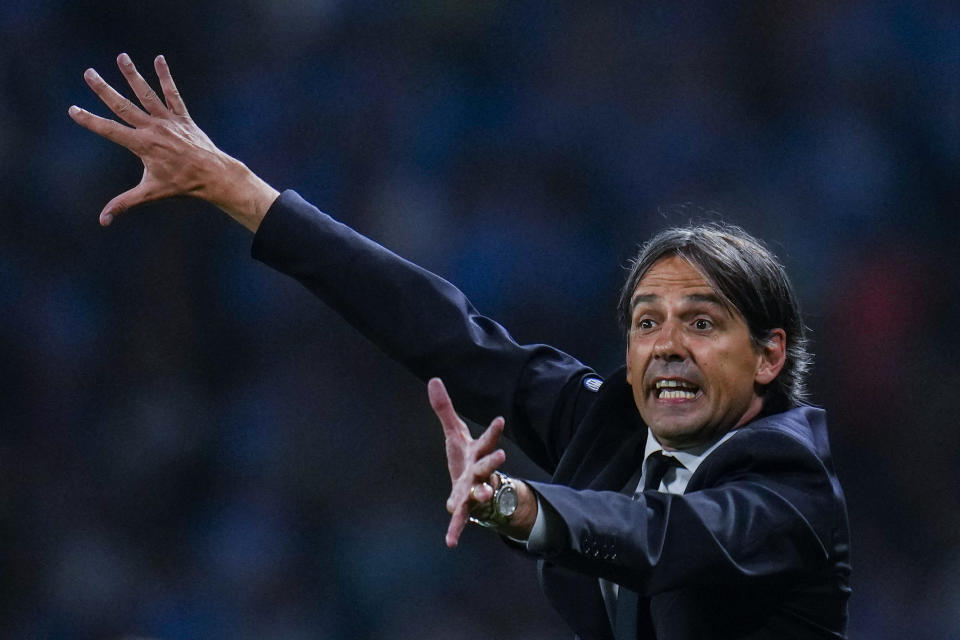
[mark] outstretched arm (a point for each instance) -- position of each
(429, 326)
(178, 157)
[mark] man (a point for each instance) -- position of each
(693, 494)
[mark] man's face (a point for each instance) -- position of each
(690, 360)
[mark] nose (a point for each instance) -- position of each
(669, 345)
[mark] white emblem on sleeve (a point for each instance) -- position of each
(593, 383)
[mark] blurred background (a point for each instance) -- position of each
(191, 446)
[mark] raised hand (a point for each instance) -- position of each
(178, 157)
(470, 461)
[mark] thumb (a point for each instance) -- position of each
(130, 198)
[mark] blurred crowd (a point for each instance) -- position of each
(191, 446)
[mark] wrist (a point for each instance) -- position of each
(521, 523)
(242, 194)
(521, 507)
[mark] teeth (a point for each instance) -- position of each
(677, 395)
(676, 390)
(673, 384)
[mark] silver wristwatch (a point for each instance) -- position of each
(503, 504)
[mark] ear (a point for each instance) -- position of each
(629, 368)
(773, 354)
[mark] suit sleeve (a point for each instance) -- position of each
(428, 325)
(771, 513)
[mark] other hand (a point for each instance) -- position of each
(470, 461)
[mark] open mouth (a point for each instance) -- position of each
(675, 390)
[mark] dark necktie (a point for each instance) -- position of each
(628, 601)
(657, 466)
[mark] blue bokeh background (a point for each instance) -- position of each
(191, 446)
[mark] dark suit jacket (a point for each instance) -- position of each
(757, 547)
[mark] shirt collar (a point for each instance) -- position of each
(690, 458)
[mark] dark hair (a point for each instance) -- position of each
(751, 280)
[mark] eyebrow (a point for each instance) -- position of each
(648, 298)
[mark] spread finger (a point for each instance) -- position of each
(145, 94)
(113, 131)
(170, 93)
(123, 108)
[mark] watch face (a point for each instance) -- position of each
(507, 502)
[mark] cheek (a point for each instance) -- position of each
(735, 374)
(635, 364)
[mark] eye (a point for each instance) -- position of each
(703, 324)
(644, 324)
